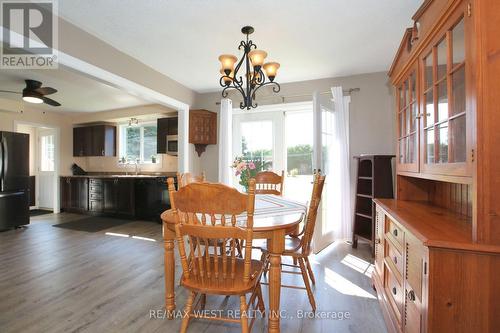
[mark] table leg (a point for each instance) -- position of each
(169, 237)
(276, 246)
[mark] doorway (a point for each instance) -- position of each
(44, 164)
(46, 168)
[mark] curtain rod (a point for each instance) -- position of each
(345, 91)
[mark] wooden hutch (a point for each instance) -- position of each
(437, 245)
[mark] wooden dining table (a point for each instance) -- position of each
(271, 224)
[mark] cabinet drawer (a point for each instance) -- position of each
(95, 196)
(394, 291)
(95, 188)
(395, 232)
(393, 254)
(95, 205)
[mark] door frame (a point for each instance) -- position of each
(57, 159)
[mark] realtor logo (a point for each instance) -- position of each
(29, 36)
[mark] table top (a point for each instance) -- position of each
(271, 213)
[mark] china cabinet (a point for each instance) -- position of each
(437, 245)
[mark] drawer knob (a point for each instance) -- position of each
(396, 260)
(411, 295)
(377, 240)
(395, 232)
(394, 291)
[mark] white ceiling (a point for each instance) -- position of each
(76, 92)
(311, 39)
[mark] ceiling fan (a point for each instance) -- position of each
(35, 93)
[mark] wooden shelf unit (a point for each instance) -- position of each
(374, 180)
(437, 245)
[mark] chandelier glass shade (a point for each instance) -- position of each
(257, 74)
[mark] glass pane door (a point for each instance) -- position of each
(445, 128)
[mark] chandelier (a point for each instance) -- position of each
(254, 78)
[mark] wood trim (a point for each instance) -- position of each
(440, 177)
(421, 10)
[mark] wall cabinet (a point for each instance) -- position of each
(165, 126)
(96, 140)
(202, 129)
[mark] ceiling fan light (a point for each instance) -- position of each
(271, 69)
(227, 61)
(32, 97)
(257, 58)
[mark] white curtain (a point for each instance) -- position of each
(341, 199)
(225, 141)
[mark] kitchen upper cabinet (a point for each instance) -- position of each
(202, 129)
(165, 126)
(96, 140)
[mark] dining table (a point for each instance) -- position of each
(274, 218)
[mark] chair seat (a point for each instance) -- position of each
(221, 285)
(292, 245)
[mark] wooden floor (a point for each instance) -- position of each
(59, 280)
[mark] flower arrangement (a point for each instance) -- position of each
(245, 170)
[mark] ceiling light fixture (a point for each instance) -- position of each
(32, 97)
(254, 77)
(133, 122)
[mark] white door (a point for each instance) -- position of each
(323, 146)
(259, 137)
(46, 168)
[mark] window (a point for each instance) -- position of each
(47, 152)
(138, 143)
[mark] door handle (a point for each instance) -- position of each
(1, 161)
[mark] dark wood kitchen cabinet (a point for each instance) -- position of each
(96, 140)
(151, 198)
(165, 126)
(118, 197)
(74, 194)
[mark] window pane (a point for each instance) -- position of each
(402, 149)
(413, 83)
(457, 138)
(428, 71)
(429, 108)
(458, 36)
(257, 143)
(429, 144)
(408, 120)
(299, 147)
(442, 101)
(401, 98)
(442, 58)
(443, 142)
(47, 152)
(407, 92)
(413, 124)
(412, 149)
(401, 123)
(458, 92)
(133, 143)
(149, 142)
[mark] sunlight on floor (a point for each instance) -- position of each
(127, 236)
(344, 286)
(358, 264)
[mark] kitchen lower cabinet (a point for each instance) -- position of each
(74, 194)
(142, 198)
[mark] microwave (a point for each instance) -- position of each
(172, 144)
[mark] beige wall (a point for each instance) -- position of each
(372, 123)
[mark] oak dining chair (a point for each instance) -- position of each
(187, 177)
(268, 182)
(206, 215)
(298, 247)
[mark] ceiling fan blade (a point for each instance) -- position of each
(9, 91)
(33, 84)
(49, 101)
(46, 90)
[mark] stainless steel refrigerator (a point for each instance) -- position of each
(14, 180)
